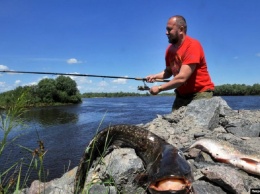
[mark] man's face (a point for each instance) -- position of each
(172, 31)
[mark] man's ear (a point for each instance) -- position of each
(182, 29)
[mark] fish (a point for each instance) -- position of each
(241, 157)
(167, 170)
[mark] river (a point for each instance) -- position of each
(66, 130)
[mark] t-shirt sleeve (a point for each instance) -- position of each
(167, 61)
(192, 54)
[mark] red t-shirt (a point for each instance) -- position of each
(190, 52)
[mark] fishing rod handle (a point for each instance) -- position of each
(162, 80)
(156, 80)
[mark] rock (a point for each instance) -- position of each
(161, 128)
(101, 189)
(203, 187)
(119, 168)
(226, 177)
(244, 123)
(203, 157)
(205, 112)
(194, 152)
(207, 118)
(197, 135)
(65, 184)
(244, 128)
(219, 129)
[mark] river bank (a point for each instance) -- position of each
(201, 119)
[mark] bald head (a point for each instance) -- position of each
(180, 21)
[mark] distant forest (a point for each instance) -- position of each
(237, 90)
(222, 90)
(63, 90)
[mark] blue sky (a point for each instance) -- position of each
(124, 38)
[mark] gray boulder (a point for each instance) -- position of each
(203, 187)
(119, 168)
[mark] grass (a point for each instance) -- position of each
(93, 165)
(90, 149)
(12, 179)
(16, 177)
(96, 180)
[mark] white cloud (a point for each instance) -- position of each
(102, 84)
(17, 82)
(258, 54)
(120, 81)
(32, 84)
(2, 84)
(81, 80)
(3, 67)
(73, 61)
(4, 87)
(132, 88)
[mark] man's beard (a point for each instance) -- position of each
(174, 39)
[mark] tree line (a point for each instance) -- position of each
(237, 90)
(221, 90)
(62, 90)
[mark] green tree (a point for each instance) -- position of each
(67, 91)
(67, 85)
(255, 89)
(46, 90)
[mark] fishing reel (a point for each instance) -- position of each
(144, 87)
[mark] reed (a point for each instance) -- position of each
(90, 149)
(12, 180)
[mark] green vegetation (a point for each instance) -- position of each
(237, 90)
(62, 90)
(16, 176)
(109, 181)
(221, 90)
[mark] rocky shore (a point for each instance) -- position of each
(205, 118)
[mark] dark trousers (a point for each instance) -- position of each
(185, 100)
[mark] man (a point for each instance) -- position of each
(185, 60)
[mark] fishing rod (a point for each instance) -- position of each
(87, 75)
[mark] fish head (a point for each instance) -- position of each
(170, 173)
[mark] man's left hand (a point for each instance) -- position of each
(154, 90)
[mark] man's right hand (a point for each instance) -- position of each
(151, 78)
